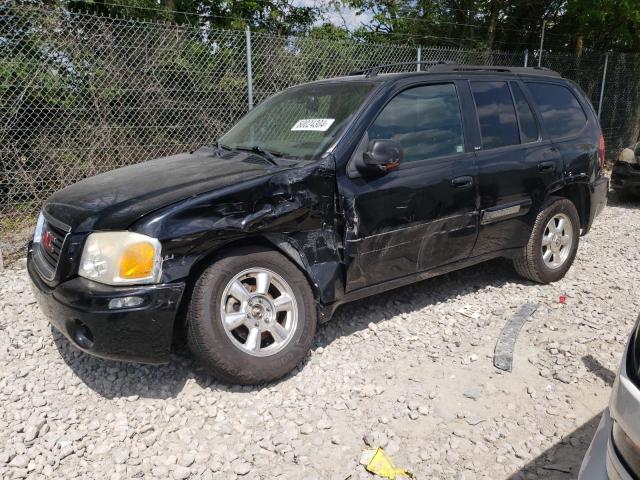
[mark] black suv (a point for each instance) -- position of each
(325, 193)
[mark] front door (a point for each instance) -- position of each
(423, 214)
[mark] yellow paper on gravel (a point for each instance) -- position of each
(382, 465)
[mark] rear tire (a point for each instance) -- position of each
(553, 243)
(236, 337)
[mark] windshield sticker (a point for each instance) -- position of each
(313, 124)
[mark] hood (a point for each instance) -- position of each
(115, 199)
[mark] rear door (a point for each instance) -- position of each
(573, 133)
(423, 214)
(517, 163)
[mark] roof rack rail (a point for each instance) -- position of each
(492, 68)
(375, 69)
(444, 67)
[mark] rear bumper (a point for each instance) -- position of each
(599, 190)
(599, 195)
(79, 309)
(625, 177)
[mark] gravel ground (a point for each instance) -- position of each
(405, 370)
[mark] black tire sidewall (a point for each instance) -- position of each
(224, 358)
(546, 274)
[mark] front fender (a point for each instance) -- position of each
(292, 210)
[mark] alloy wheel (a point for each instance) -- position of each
(557, 241)
(259, 312)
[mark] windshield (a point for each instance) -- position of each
(301, 122)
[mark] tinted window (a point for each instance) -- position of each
(561, 113)
(528, 125)
(424, 120)
(497, 116)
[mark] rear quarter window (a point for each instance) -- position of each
(561, 112)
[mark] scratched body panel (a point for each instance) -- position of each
(408, 221)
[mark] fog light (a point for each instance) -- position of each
(125, 302)
(82, 335)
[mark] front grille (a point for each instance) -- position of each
(49, 248)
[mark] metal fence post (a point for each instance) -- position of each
(544, 22)
(419, 58)
(526, 58)
(249, 70)
(604, 79)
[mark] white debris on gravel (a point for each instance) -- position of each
(410, 370)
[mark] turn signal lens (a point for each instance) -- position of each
(137, 260)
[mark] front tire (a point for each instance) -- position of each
(252, 316)
(553, 243)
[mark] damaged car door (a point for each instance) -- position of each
(418, 210)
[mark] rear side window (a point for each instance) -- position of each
(425, 121)
(498, 125)
(561, 112)
(528, 124)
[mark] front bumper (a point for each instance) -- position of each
(625, 177)
(79, 309)
(603, 460)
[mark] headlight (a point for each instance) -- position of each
(37, 235)
(121, 258)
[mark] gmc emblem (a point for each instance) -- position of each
(47, 241)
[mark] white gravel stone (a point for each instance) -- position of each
(407, 352)
(241, 467)
(119, 455)
(180, 472)
(19, 461)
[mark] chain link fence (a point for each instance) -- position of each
(82, 94)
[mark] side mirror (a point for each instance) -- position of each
(381, 157)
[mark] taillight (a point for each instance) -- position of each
(601, 151)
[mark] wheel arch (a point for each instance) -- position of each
(579, 194)
(283, 244)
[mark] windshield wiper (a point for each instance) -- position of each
(266, 154)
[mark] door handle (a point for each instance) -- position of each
(462, 182)
(546, 166)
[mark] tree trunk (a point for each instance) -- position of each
(579, 46)
(170, 5)
(494, 10)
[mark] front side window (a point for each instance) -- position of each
(496, 114)
(424, 120)
(561, 112)
(301, 122)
